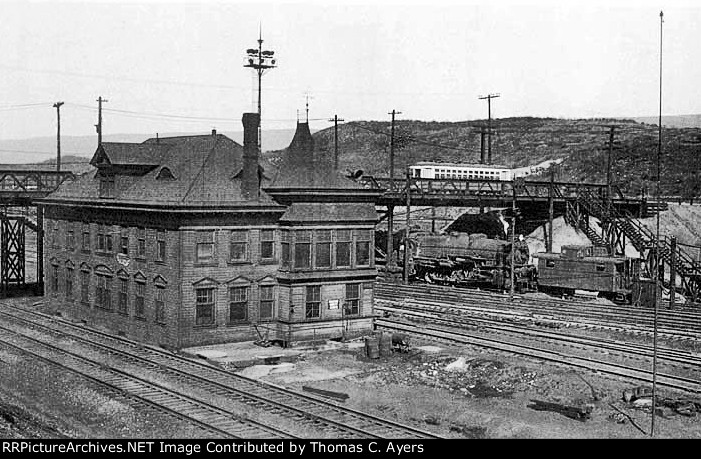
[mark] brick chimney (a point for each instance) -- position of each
(250, 181)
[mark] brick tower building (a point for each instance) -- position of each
(185, 241)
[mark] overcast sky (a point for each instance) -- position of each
(177, 67)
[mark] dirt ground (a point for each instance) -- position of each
(465, 392)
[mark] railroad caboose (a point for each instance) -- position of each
(590, 268)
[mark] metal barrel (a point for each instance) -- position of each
(385, 344)
(372, 347)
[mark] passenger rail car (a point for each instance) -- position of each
(430, 170)
(587, 268)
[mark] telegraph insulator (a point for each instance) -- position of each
(273, 62)
(250, 61)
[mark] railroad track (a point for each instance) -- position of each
(681, 325)
(615, 369)
(204, 416)
(679, 362)
(301, 409)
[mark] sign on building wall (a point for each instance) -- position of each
(123, 259)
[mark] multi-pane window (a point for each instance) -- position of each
(204, 250)
(84, 286)
(352, 299)
(141, 242)
(160, 245)
(343, 248)
(362, 248)
(267, 302)
(139, 294)
(204, 311)
(85, 244)
(107, 186)
(124, 241)
(55, 234)
(160, 304)
(238, 245)
(323, 249)
(123, 296)
(313, 305)
(267, 244)
(54, 279)
(103, 292)
(285, 249)
(69, 282)
(303, 248)
(70, 237)
(238, 304)
(104, 239)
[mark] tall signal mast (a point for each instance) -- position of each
(260, 61)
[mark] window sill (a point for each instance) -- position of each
(268, 261)
(141, 318)
(84, 251)
(125, 314)
(103, 254)
(233, 263)
(237, 324)
(209, 264)
(204, 326)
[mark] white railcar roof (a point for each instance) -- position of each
(476, 166)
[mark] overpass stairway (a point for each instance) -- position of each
(616, 223)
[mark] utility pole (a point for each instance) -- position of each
(672, 271)
(391, 151)
(489, 98)
(608, 164)
(657, 250)
(513, 239)
(98, 126)
(57, 106)
(260, 61)
(408, 226)
(335, 120)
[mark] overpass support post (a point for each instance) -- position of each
(390, 262)
(40, 250)
(549, 239)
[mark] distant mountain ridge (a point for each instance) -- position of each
(38, 149)
(677, 121)
(580, 145)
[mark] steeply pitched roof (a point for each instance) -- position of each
(205, 170)
(304, 168)
(128, 154)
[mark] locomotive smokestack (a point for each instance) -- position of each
(250, 184)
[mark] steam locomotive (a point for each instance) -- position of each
(474, 261)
